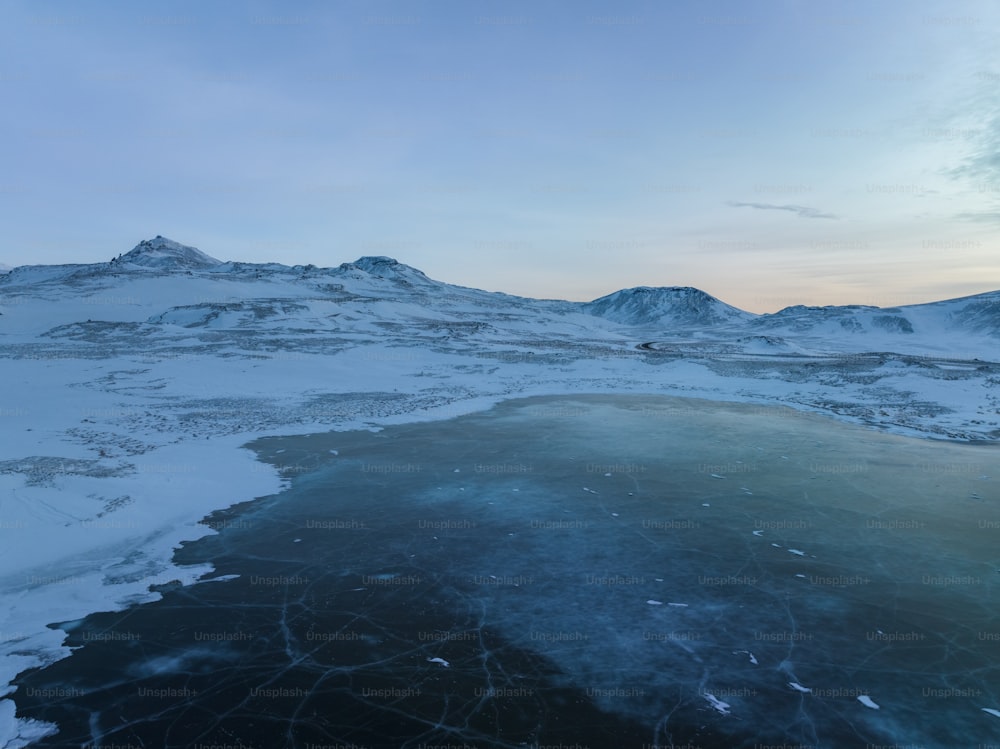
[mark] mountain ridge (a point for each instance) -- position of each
(682, 308)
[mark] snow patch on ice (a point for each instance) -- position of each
(722, 707)
(15, 733)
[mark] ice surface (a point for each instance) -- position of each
(501, 607)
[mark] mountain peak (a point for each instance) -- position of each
(382, 266)
(160, 252)
(375, 262)
(679, 305)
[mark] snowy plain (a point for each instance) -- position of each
(130, 387)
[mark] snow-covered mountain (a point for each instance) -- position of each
(377, 292)
(382, 292)
(388, 268)
(166, 254)
(669, 306)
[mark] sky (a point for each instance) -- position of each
(769, 152)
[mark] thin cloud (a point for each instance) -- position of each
(978, 127)
(989, 217)
(802, 211)
(983, 163)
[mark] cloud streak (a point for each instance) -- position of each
(801, 210)
(988, 217)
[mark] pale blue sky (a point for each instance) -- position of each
(770, 152)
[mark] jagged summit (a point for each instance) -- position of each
(678, 305)
(372, 262)
(164, 253)
(382, 266)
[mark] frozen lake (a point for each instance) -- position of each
(601, 571)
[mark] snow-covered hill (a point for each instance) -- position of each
(130, 386)
(166, 254)
(979, 313)
(668, 307)
(956, 326)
